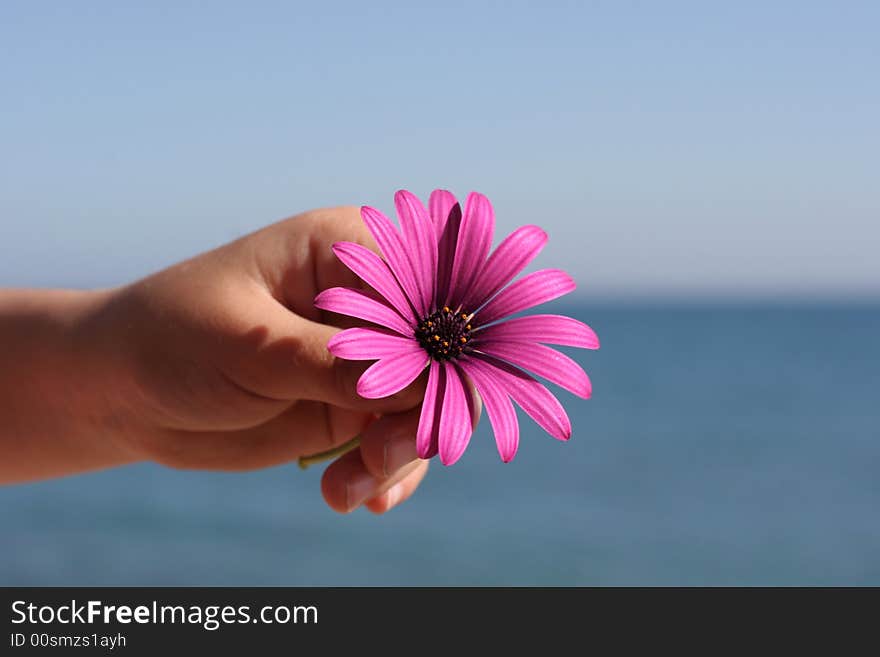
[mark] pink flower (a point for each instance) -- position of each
(440, 298)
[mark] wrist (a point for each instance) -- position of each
(64, 409)
(100, 340)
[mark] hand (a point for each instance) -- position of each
(220, 362)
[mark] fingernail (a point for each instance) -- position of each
(394, 495)
(398, 453)
(358, 490)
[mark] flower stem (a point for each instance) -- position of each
(306, 461)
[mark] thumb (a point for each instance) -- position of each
(291, 361)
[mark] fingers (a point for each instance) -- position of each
(400, 491)
(306, 428)
(383, 472)
(280, 351)
(347, 484)
(389, 443)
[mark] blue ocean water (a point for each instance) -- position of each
(724, 445)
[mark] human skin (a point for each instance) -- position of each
(216, 363)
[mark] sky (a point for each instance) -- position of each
(671, 150)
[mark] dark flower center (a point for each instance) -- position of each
(444, 334)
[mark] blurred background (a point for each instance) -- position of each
(706, 171)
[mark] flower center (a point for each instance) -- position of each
(444, 333)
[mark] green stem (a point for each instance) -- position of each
(306, 461)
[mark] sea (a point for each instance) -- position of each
(733, 444)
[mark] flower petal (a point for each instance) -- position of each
(550, 329)
(392, 374)
(543, 361)
(421, 240)
(446, 214)
(456, 424)
(360, 304)
(513, 254)
(534, 398)
(474, 242)
(498, 406)
(533, 289)
(369, 344)
(391, 244)
(429, 420)
(374, 272)
(440, 205)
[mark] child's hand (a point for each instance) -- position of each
(220, 362)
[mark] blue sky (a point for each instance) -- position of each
(670, 149)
